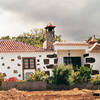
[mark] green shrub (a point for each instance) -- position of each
(61, 74)
(38, 76)
(75, 77)
(96, 80)
(83, 74)
(2, 78)
(23, 81)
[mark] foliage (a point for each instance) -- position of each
(96, 80)
(12, 79)
(98, 40)
(38, 76)
(75, 77)
(61, 74)
(95, 38)
(1, 76)
(83, 74)
(5, 38)
(35, 37)
(23, 80)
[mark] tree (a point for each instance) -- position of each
(35, 37)
(5, 38)
(98, 40)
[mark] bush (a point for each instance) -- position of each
(75, 77)
(96, 80)
(61, 74)
(38, 76)
(1, 78)
(83, 74)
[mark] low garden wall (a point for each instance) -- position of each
(79, 86)
(35, 85)
(40, 85)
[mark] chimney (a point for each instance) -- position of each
(50, 36)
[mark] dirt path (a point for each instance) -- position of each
(74, 94)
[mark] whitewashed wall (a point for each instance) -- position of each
(6, 62)
(71, 48)
(73, 53)
(96, 65)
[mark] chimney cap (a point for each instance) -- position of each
(50, 26)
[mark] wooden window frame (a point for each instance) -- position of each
(29, 62)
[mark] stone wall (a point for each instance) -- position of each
(11, 64)
(79, 86)
(39, 85)
(35, 85)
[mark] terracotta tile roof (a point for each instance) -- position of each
(71, 44)
(92, 40)
(14, 46)
(90, 45)
(96, 49)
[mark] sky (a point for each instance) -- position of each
(75, 20)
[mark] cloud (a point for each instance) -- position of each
(75, 19)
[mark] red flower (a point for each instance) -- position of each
(12, 79)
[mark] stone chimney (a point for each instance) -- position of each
(50, 36)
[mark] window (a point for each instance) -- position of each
(75, 61)
(29, 63)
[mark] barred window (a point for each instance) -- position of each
(29, 63)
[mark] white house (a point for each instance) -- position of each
(79, 53)
(19, 60)
(94, 51)
(71, 53)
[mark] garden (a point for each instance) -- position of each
(64, 77)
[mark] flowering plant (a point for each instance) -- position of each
(12, 79)
(96, 79)
(38, 76)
